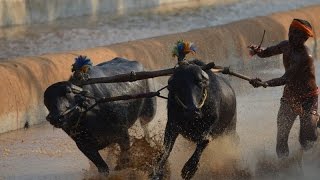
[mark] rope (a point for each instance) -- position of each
(110, 99)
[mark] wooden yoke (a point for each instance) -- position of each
(134, 76)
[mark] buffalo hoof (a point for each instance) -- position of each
(104, 171)
(189, 169)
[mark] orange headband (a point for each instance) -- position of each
(298, 25)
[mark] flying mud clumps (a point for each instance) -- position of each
(142, 158)
(222, 160)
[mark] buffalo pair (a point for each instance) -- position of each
(201, 105)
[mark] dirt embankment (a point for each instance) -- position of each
(25, 79)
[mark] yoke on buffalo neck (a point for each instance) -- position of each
(135, 76)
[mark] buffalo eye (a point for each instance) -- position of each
(204, 82)
(68, 90)
(200, 83)
(200, 80)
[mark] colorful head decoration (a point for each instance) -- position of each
(82, 64)
(181, 49)
(302, 25)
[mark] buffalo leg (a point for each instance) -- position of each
(232, 132)
(147, 114)
(170, 137)
(191, 166)
(124, 144)
(95, 157)
(144, 125)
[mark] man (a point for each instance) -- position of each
(300, 96)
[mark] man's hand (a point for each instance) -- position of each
(254, 49)
(256, 82)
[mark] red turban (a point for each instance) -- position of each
(298, 25)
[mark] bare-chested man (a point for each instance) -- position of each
(300, 96)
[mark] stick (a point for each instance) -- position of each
(226, 70)
(264, 32)
(241, 76)
(123, 97)
(127, 97)
(134, 76)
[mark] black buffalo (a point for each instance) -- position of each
(106, 123)
(201, 106)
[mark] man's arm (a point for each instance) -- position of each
(289, 74)
(283, 79)
(270, 51)
(276, 81)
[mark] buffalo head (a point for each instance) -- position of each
(61, 103)
(188, 87)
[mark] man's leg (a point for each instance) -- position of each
(308, 123)
(285, 120)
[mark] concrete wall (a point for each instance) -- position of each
(17, 12)
(24, 80)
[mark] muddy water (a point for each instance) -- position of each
(43, 152)
(88, 32)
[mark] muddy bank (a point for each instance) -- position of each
(24, 79)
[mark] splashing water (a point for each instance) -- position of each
(87, 32)
(42, 152)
